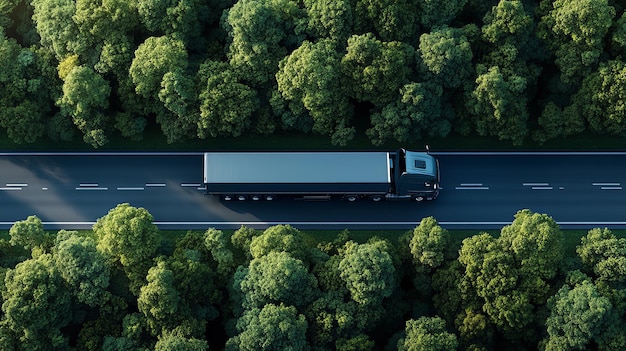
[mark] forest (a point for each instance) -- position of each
(127, 286)
(392, 70)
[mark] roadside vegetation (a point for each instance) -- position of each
(126, 286)
(359, 73)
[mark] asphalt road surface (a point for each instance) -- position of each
(480, 191)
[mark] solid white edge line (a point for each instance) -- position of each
(271, 223)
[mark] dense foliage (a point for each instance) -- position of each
(395, 71)
(120, 287)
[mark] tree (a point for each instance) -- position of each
(310, 79)
(376, 70)
(158, 72)
(427, 333)
(262, 33)
(446, 56)
(435, 13)
(601, 99)
(579, 316)
(555, 121)
(329, 19)
(273, 327)
(418, 111)
(83, 268)
(85, 99)
(576, 30)
(429, 244)
(498, 104)
(602, 253)
(226, 105)
(513, 274)
(276, 278)
(35, 305)
(170, 342)
(23, 94)
(159, 300)
(280, 238)
(126, 235)
(368, 272)
(30, 235)
(391, 20)
(56, 28)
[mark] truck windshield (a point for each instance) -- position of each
(402, 161)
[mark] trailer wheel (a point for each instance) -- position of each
(376, 198)
(227, 197)
(270, 197)
(351, 198)
(418, 198)
(255, 197)
(242, 197)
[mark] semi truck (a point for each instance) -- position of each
(351, 176)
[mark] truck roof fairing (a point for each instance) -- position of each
(420, 163)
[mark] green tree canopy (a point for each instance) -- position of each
(446, 56)
(376, 70)
(329, 19)
(513, 274)
(276, 278)
(273, 327)
(576, 30)
(30, 235)
(36, 303)
(126, 235)
(310, 79)
(429, 243)
(263, 32)
(85, 100)
(368, 272)
(579, 317)
(427, 333)
(226, 105)
(84, 268)
(498, 104)
(280, 238)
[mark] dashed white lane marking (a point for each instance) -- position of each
(472, 186)
(88, 184)
(44, 188)
(130, 188)
(16, 185)
(541, 188)
(155, 184)
(190, 184)
(11, 188)
(535, 184)
(608, 186)
(91, 188)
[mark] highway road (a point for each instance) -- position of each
(480, 191)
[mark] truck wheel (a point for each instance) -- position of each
(351, 198)
(376, 198)
(227, 197)
(242, 197)
(255, 197)
(270, 197)
(419, 198)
